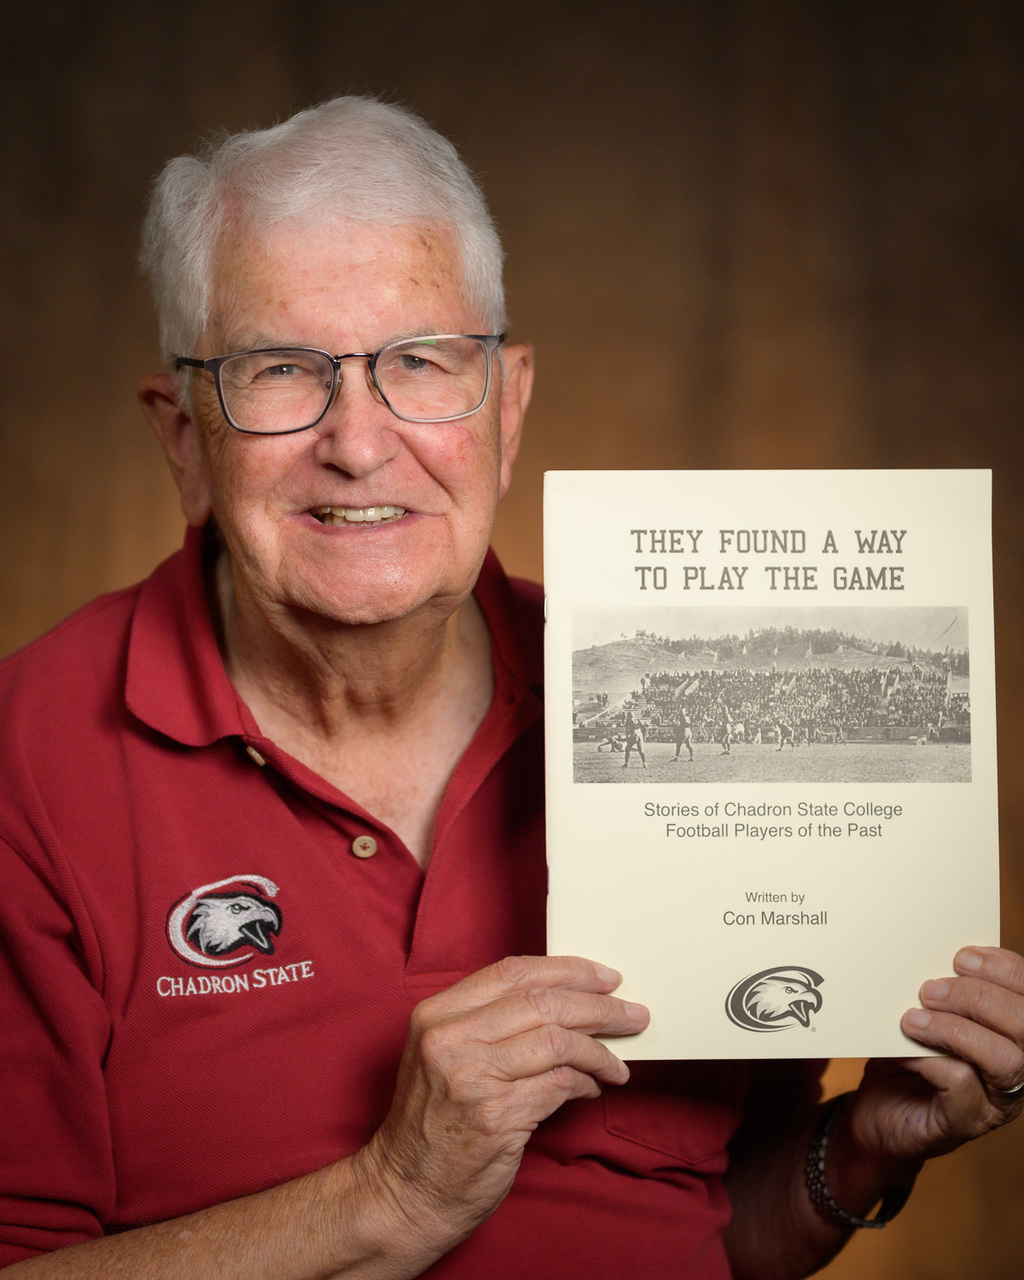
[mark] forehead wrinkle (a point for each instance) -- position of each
(257, 279)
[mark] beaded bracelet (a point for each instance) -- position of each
(817, 1185)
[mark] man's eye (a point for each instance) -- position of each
(281, 371)
(409, 363)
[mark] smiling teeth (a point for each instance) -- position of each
(357, 515)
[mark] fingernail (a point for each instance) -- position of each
(638, 1012)
(936, 990)
(919, 1018)
(967, 959)
(608, 975)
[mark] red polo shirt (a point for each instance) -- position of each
(209, 956)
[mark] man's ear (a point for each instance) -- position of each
(177, 433)
(516, 388)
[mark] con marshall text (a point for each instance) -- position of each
(748, 918)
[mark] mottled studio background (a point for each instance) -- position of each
(740, 234)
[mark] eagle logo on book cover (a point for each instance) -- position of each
(775, 999)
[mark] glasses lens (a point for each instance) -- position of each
(275, 391)
(430, 379)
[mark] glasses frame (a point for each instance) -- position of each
(491, 341)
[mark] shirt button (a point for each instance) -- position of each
(364, 846)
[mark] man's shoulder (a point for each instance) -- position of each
(77, 671)
(88, 644)
(61, 706)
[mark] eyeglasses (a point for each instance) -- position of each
(278, 390)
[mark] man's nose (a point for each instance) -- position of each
(358, 433)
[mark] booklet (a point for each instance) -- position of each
(770, 738)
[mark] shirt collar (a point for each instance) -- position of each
(512, 607)
(176, 682)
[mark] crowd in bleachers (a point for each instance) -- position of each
(812, 702)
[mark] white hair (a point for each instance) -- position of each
(351, 157)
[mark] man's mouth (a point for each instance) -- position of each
(357, 515)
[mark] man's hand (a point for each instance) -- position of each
(904, 1112)
(486, 1061)
(914, 1108)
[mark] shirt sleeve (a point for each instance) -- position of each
(56, 1167)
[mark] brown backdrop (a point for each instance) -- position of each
(741, 234)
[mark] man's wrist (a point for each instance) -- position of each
(844, 1191)
(400, 1218)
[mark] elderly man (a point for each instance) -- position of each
(272, 822)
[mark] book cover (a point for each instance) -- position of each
(770, 738)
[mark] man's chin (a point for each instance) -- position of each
(376, 607)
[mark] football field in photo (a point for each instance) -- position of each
(823, 762)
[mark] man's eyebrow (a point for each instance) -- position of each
(269, 342)
(253, 341)
(258, 341)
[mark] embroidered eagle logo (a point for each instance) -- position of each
(775, 999)
(225, 923)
